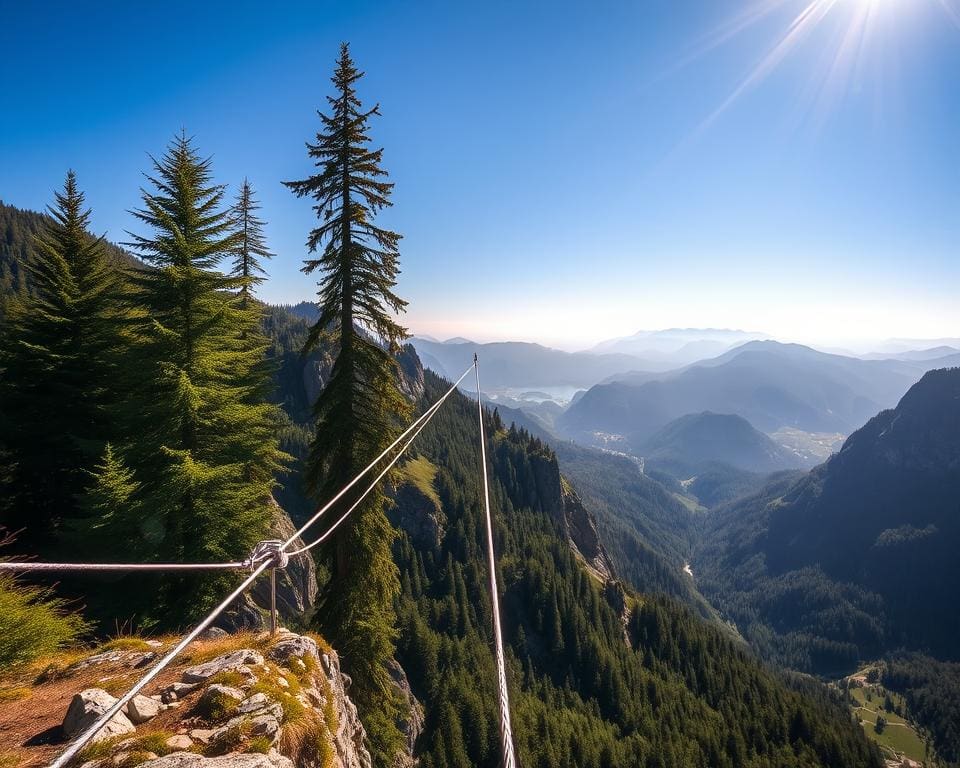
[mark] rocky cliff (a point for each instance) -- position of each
(560, 499)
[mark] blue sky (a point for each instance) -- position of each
(566, 172)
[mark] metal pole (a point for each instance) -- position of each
(273, 601)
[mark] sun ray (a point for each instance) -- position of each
(801, 26)
(846, 58)
(952, 11)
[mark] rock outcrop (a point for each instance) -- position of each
(419, 515)
(411, 381)
(280, 704)
(412, 724)
(581, 529)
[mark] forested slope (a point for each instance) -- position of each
(598, 678)
(858, 556)
(17, 230)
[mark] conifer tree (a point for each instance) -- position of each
(110, 507)
(59, 361)
(251, 244)
(205, 450)
(356, 413)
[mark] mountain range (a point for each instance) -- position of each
(675, 347)
(770, 384)
(519, 365)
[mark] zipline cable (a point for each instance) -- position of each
(22, 567)
(506, 729)
(432, 412)
(425, 415)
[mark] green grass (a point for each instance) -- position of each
(218, 707)
(33, 623)
(899, 735)
(260, 744)
(421, 473)
(155, 742)
(230, 678)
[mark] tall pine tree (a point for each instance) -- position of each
(357, 411)
(251, 244)
(59, 361)
(205, 450)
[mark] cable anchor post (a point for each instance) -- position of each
(271, 551)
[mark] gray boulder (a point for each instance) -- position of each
(295, 646)
(87, 707)
(229, 662)
(141, 708)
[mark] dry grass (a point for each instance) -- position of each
(201, 651)
(14, 693)
(133, 759)
(126, 643)
(54, 666)
(308, 742)
(321, 642)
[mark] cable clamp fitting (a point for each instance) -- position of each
(269, 550)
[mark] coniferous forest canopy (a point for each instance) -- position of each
(148, 396)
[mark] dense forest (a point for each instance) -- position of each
(932, 692)
(18, 229)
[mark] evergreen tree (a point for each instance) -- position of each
(205, 446)
(110, 507)
(59, 360)
(356, 413)
(251, 244)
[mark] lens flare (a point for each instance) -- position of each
(841, 54)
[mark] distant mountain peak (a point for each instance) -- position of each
(694, 439)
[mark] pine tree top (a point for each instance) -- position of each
(185, 211)
(357, 256)
(251, 244)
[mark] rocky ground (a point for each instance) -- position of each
(231, 701)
